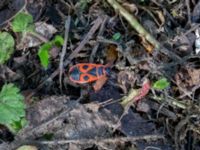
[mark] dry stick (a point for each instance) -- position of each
(104, 140)
(96, 25)
(178, 128)
(64, 48)
(94, 50)
(187, 3)
(38, 36)
(140, 29)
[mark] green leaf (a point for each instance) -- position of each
(116, 36)
(6, 46)
(17, 125)
(12, 107)
(161, 84)
(58, 41)
(22, 22)
(43, 54)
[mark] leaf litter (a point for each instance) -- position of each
(140, 40)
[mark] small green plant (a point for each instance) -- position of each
(23, 22)
(12, 108)
(6, 46)
(43, 52)
(161, 84)
(116, 36)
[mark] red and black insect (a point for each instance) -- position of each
(88, 72)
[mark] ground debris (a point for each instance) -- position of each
(66, 119)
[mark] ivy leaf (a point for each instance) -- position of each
(161, 84)
(6, 46)
(12, 107)
(58, 41)
(43, 54)
(22, 22)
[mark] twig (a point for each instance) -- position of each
(105, 140)
(94, 50)
(187, 3)
(20, 10)
(171, 102)
(64, 48)
(178, 128)
(96, 25)
(38, 36)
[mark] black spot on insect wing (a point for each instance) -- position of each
(100, 71)
(75, 74)
(85, 77)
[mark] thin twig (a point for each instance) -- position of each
(94, 50)
(187, 3)
(38, 36)
(104, 140)
(96, 25)
(64, 48)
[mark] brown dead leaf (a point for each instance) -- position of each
(187, 78)
(149, 47)
(194, 75)
(161, 17)
(131, 7)
(111, 53)
(126, 79)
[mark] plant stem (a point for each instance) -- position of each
(134, 23)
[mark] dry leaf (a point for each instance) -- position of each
(111, 53)
(131, 7)
(149, 47)
(161, 17)
(42, 28)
